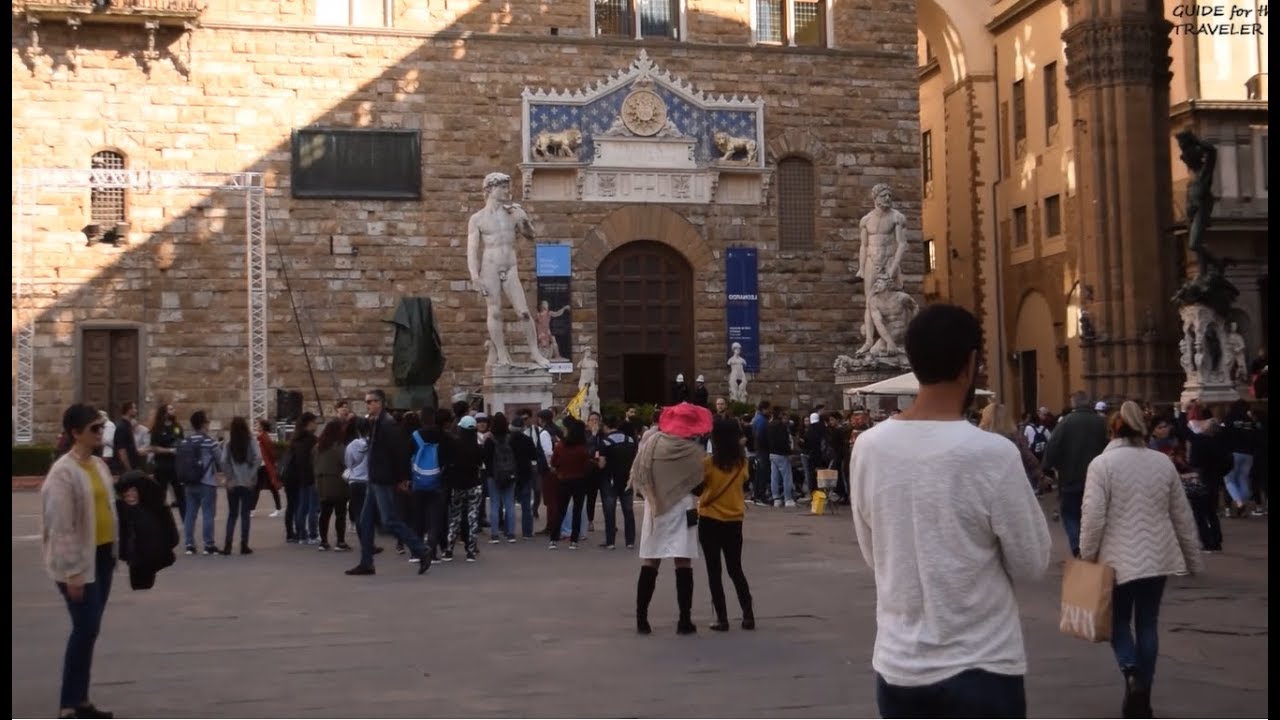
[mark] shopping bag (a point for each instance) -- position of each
(1086, 600)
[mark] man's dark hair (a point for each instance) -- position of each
(461, 409)
(610, 421)
(444, 417)
(340, 404)
(199, 419)
(939, 341)
(126, 407)
(377, 392)
(764, 405)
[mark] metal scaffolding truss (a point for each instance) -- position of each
(29, 182)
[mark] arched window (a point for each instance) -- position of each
(106, 204)
(797, 201)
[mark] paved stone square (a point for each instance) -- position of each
(526, 632)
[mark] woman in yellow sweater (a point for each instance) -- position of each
(721, 509)
(79, 538)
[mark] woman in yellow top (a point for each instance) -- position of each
(79, 538)
(721, 509)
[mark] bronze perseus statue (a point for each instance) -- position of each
(1200, 158)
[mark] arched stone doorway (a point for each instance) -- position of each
(1036, 365)
(644, 302)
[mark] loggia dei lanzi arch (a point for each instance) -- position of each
(31, 181)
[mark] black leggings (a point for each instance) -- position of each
(593, 491)
(716, 537)
(338, 510)
(1205, 509)
(575, 490)
(264, 483)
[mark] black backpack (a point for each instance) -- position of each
(188, 461)
(1039, 441)
(504, 462)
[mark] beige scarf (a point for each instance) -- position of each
(666, 469)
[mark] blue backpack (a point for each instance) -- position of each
(426, 465)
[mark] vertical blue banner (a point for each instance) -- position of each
(742, 305)
(552, 315)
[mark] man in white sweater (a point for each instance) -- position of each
(947, 522)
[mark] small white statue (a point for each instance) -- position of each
(587, 369)
(737, 374)
(1236, 366)
(735, 148)
(491, 259)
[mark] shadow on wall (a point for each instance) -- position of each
(225, 100)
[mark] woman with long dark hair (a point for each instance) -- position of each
(1136, 520)
(721, 509)
(242, 460)
(330, 486)
(166, 433)
(79, 537)
(301, 474)
(571, 464)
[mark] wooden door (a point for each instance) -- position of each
(645, 322)
(109, 368)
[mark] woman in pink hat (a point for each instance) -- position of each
(668, 473)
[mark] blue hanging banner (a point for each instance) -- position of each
(552, 315)
(742, 305)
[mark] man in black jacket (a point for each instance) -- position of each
(778, 438)
(1079, 437)
(388, 467)
(619, 451)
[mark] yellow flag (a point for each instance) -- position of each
(574, 407)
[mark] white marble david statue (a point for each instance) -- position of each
(737, 374)
(491, 259)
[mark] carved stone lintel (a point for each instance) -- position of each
(1132, 49)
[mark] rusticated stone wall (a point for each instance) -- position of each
(227, 96)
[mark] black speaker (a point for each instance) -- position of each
(288, 405)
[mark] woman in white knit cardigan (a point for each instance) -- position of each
(1137, 520)
(79, 536)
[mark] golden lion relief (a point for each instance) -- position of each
(562, 145)
(735, 148)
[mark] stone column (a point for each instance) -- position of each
(1118, 78)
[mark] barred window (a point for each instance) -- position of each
(613, 17)
(660, 18)
(1053, 216)
(926, 155)
(930, 256)
(1050, 95)
(797, 201)
(106, 204)
(1019, 110)
(1020, 233)
(791, 22)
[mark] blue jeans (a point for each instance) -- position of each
(502, 509)
(203, 499)
(566, 525)
(524, 495)
(610, 497)
(1238, 478)
(1069, 508)
(380, 501)
(239, 503)
(971, 694)
(1139, 601)
(86, 620)
(781, 478)
(307, 521)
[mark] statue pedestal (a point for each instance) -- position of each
(1205, 356)
(508, 388)
(865, 370)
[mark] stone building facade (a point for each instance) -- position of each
(221, 86)
(1076, 108)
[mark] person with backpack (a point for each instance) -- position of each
(166, 433)
(432, 451)
(504, 458)
(545, 432)
(571, 464)
(196, 461)
(619, 450)
(526, 475)
(331, 487)
(1037, 433)
(387, 469)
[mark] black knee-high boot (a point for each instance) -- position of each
(748, 612)
(644, 593)
(684, 598)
